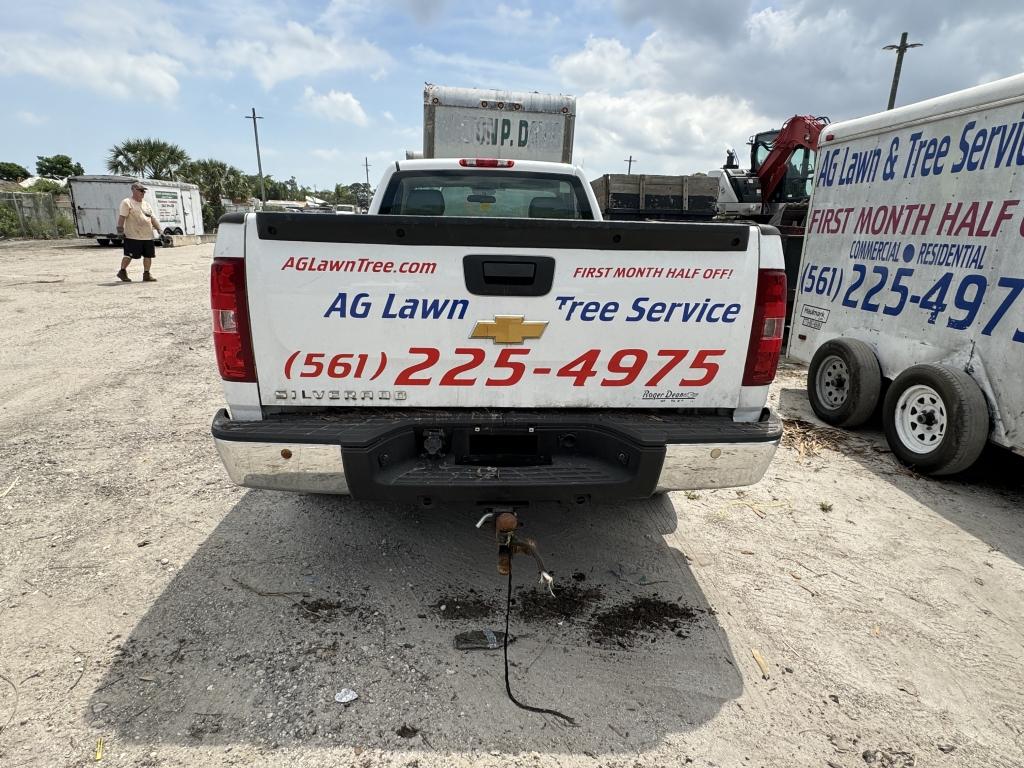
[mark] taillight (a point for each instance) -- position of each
(766, 331)
(232, 340)
(485, 162)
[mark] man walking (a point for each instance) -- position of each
(136, 222)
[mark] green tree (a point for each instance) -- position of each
(46, 185)
(13, 172)
(148, 158)
(57, 167)
(216, 180)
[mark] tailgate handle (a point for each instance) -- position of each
(508, 275)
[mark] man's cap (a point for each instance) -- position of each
(139, 185)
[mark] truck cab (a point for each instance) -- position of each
(487, 187)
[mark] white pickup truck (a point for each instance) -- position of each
(483, 336)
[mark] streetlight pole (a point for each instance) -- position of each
(259, 163)
(900, 50)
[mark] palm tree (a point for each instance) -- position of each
(216, 180)
(149, 158)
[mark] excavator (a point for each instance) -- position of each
(780, 177)
(777, 187)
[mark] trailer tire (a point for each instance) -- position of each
(936, 419)
(103, 241)
(844, 382)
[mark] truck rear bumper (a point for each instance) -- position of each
(496, 456)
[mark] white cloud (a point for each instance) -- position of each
(30, 118)
(293, 50)
(470, 70)
(326, 154)
(334, 105)
(150, 76)
(667, 132)
(603, 63)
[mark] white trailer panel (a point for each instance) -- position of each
(96, 199)
(915, 243)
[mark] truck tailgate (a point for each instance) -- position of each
(445, 312)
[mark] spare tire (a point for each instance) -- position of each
(844, 382)
(936, 419)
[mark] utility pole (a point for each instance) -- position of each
(900, 50)
(259, 163)
(629, 167)
(366, 163)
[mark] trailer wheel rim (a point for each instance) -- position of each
(833, 382)
(921, 419)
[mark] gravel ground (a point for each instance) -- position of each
(155, 614)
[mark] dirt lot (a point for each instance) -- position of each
(152, 610)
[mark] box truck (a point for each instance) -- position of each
(518, 125)
(177, 205)
(913, 273)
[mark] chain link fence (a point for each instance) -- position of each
(38, 215)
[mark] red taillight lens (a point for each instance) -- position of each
(766, 331)
(231, 338)
(485, 162)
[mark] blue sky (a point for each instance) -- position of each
(672, 82)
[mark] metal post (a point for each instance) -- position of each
(900, 50)
(259, 163)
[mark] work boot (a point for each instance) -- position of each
(122, 275)
(148, 278)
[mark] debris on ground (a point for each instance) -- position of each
(346, 696)
(641, 616)
(322, 609)
(570, 600)
(809, 440)
(885, 758)
(407, 731)
(761, 663)
(480, 640)
(468, 606)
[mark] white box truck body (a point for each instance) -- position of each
(518, 125)
(96, 199)
(913, 273)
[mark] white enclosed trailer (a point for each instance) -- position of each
(913, 274)
(96, 199)
(517, 125)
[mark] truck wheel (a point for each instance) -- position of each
(104, 241)
(844, 382)
(935, 419)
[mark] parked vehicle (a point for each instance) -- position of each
(483, 335)
(645, 197)
(96, 199)
(911, 279)
(476, 122)
(775, 189)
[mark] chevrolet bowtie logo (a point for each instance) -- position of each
(509, 329)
